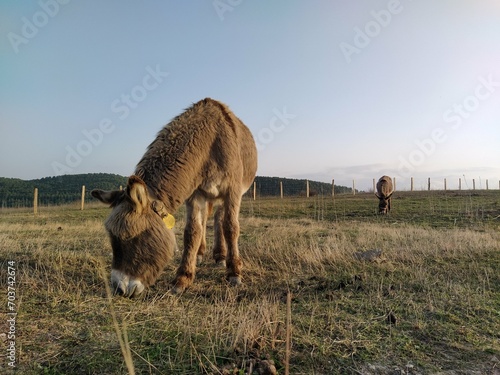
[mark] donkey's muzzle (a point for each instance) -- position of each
(124, 285)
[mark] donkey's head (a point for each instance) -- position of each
(384, 203)
(142, 244)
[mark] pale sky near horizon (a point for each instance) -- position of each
(329, 88)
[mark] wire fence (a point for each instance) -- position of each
(268, 187)
(264, 187)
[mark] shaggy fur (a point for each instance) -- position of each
(384, 194)
(204, 155)
(142, 245)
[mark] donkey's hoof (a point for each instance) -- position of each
(234, 281)
(199, 260)
(177, 290)
(221, 263)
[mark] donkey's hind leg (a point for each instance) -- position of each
(231, 230)
(220, 247)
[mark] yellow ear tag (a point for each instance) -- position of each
(169, 221)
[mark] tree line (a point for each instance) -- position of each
(56, 190)
(66, 189)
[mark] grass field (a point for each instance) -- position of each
(427, 302)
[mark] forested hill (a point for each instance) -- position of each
(15, 192)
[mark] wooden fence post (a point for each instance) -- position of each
(429, 184)
(35, 201)
(333, 187)
(487, 187)
(445, 184)
(254, 190)
(411, 184)
(394, 184)
(83, 198)
(473, 184)
(353, 187)
(281, 189)
(307, 188)
(374, 186)
(459, 184)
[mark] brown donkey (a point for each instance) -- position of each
(384, 193)
(204, 155)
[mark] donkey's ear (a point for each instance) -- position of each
(108, 197)
(138, 193)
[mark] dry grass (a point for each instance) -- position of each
(430, 302)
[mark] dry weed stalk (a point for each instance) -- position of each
(288, 331)
(121, 333)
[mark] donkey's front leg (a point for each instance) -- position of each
(193, 234)
(203, 242)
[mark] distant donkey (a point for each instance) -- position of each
(384, 193)
(204, 155)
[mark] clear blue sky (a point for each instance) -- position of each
(330, 88)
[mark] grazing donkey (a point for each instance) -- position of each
(384, 193)
(204, 155)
